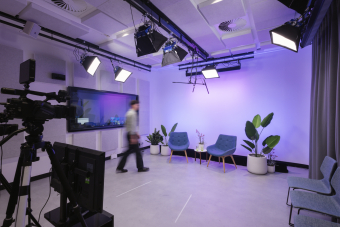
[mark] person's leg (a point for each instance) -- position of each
(139, 158)
(126, 154)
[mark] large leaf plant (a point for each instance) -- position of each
(166, 134)
(253, 135)
(155, 138)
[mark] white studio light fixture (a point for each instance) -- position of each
(121, 75)
(286, 36)
(90, 63)
(210, 72)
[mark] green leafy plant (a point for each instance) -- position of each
(155, 138)
(166, 134)
(251, 132)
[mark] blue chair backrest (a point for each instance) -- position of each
(225, 142)
(336, 183)
(327, 168)
(178, 138)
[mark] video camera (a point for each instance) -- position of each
(33, 111)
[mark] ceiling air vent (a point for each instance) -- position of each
(232, 25)
(71, 5)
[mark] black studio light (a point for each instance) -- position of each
(90, 63)
(148, 40)
(172, 53)
(121, 75)
(210, 72)
(287, 36)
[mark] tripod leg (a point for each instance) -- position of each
(13, 199)
(64, 182)
(23, 194)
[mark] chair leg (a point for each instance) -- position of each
(171, 156)
(223, 164)
(233, 161)
(186, 155)
(219, 160)
(290, 216)
(209, 160)
(195, 156)
(288, 197)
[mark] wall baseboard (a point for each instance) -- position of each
(240, 160)
(141, 148)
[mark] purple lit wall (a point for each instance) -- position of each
(276, 82)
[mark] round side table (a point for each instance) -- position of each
(199, 151)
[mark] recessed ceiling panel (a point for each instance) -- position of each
(95, 37)
(243, 49)
(263, 35)
(148, 61)
(120, 48)
(48, 19)
(270, 13)
(96, 3)
(236, 39)
(120, 10)
(219, 11)
(102, 22)
(12, 7)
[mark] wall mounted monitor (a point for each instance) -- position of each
(98, 109)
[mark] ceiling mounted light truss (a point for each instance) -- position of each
(158, 17)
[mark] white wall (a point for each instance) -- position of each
(55, 130)
(276, 82)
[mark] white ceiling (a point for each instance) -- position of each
(109, 24)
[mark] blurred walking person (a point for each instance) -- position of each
(132, 136)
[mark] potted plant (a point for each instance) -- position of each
(154, 139)
(257, 162)
(201, 142)
(271, 162)
(165, 148)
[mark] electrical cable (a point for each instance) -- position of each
(132, 18)
(49, 195)
(2, 152)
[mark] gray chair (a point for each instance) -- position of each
(329, 205)
(304, 221)
(225, 146)
(179, 141)
(319, 186)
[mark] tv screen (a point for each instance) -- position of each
(98, 109)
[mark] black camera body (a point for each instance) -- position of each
(34, 111)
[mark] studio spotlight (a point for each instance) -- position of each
(172, 53)
(209, 72)
(121, 75)
(148, 40)
(287, 36)
(90, 63)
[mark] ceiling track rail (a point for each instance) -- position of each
(158, 17)
(76, 43)
(215, 61)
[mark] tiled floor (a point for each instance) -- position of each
(184, 194)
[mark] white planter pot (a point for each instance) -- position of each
(154, 149)
(200, 147)
(271, 169)
(165, 150)
(257, 165)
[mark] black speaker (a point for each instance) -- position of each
(148, 43)
(298, 5)
(174, 56)
(27, 71)
(57, 76)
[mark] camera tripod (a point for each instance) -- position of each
(20, 191)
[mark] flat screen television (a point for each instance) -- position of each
(98, 109)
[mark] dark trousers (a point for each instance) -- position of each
(133, 148)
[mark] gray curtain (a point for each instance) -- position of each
(325, 92)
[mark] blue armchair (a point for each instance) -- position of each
(319, 186)
(225, 146)
(178, 141)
